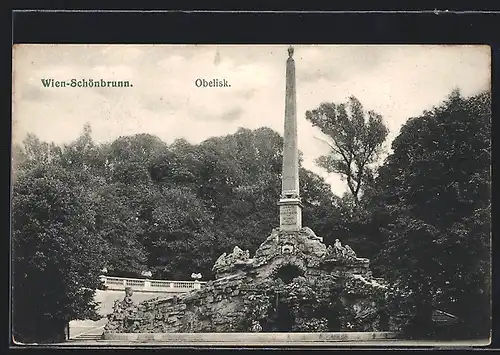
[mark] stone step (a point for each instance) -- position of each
(88, 337)
(252, 338)
(94, 332)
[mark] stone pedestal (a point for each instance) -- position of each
(290, 214)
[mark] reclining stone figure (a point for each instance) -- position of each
(238, 256)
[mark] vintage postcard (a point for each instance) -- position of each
(248, 195)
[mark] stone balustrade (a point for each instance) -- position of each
(147, 285)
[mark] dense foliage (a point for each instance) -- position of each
(138, 204)
(56, 253)
(434, 194)
(424, 216)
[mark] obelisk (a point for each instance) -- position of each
(289, 203)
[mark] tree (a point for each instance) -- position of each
(251, 186)
(355, 139)
(435, 189)
(32, 152)
(123, 200)
(236, 178)
(240, 178)
(69, 220)
(322, 211)
(57, 255)
(118, 224)
(181, 238)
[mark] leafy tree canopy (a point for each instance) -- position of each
(355, 137)
(434, 190)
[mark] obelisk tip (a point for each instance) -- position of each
(290, 51)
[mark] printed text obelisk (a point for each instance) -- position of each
(290, 206)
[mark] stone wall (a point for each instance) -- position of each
(215, 308)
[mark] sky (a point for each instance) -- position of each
(398, 82)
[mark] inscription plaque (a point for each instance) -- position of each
(288, 215)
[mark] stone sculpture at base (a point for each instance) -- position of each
(124, 316)
(228, 262)
(256, 327)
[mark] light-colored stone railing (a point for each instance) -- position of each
(147, 285)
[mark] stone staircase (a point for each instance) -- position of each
(87, 330)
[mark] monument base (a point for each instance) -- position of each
(290, 214)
